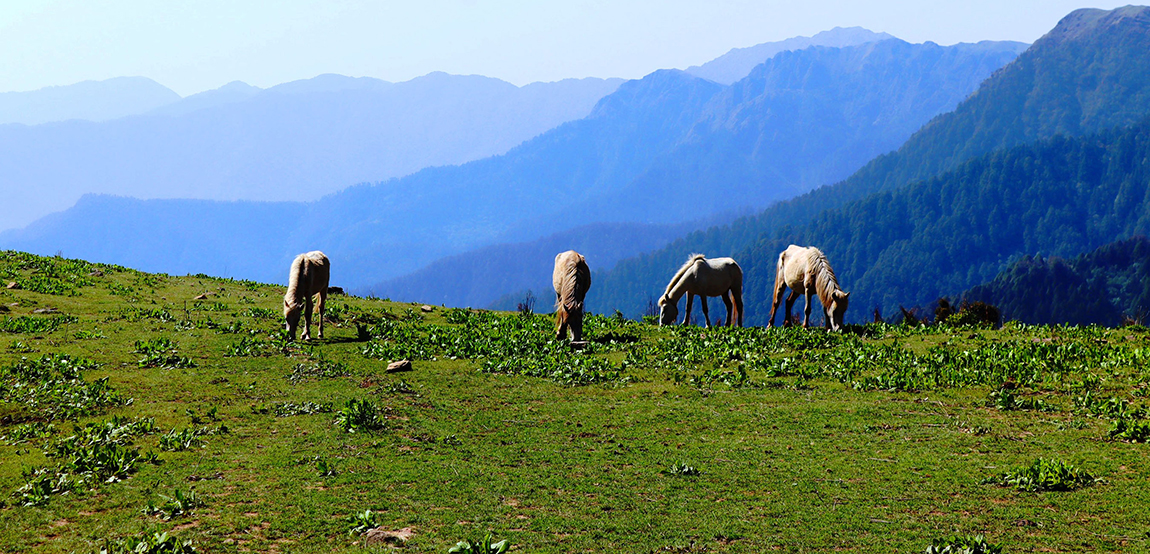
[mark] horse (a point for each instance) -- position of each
(699, 276)
(807, 272)
(571, 279)
(309, 276)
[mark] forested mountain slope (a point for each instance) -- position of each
(1102, 286)
(1090, 73)
(941, 236)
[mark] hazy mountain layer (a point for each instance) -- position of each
(738, 62)
(88, 100)
(296, 141)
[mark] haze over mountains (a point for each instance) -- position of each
(296, 141)
(801, 115)
(88, 100)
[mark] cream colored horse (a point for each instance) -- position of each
(700, 276)
(571, 279)
(309, 276)
(807, 272)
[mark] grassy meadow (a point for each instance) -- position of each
(130, 408)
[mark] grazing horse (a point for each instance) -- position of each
(700, 276)
(309, 276)
(807, 272)
(571, 278)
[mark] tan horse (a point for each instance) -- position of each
(571, 278)
(700, 276)
(309, 276)
(807, 272)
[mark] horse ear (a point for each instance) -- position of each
(846, 295)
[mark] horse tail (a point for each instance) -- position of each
(736, 293)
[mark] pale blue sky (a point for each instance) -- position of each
(194, 45)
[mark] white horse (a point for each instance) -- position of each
(571, 279)
(309, 276)
(807, 272)
(700, 276)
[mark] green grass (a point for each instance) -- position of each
(200, 420)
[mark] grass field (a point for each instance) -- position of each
(129, 407)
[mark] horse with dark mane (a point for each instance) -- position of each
(309, 276)
(807, 271)
(702, 277)
(572, 279)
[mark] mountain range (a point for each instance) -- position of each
(296, 141)
(663, 128)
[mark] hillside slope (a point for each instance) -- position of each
(1088, 74)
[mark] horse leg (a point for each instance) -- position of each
(780, 288)
(807, 310)
(706, 316)
(322, 303)
(727, 302)
(790, 304)
(576, 326)
(690, 303)
(737, 296)
(307, 307)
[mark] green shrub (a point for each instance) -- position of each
(179, 504)
(681, 469)
(149, 543)
(963, 545)
(359, 415)
(481, 546)
(362, 522)
(1045, 475)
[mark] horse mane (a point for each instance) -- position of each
(691, 260)
(575, 282)
(294, 297)
(825, 281)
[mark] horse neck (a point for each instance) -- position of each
(679, 287)
(826, 283)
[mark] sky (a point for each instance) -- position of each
(195, 45)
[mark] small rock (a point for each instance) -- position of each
(12, 285)
(202, 296)
(426, 308)
(578, 344)
(45, 311)
(382, 536)
(96, 273)
(402, 365)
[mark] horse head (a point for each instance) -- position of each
(292, 313)
(837, 309)
(668, 310)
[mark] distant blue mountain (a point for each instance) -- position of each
(738, 62)
(87, 100)
(296, 141)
